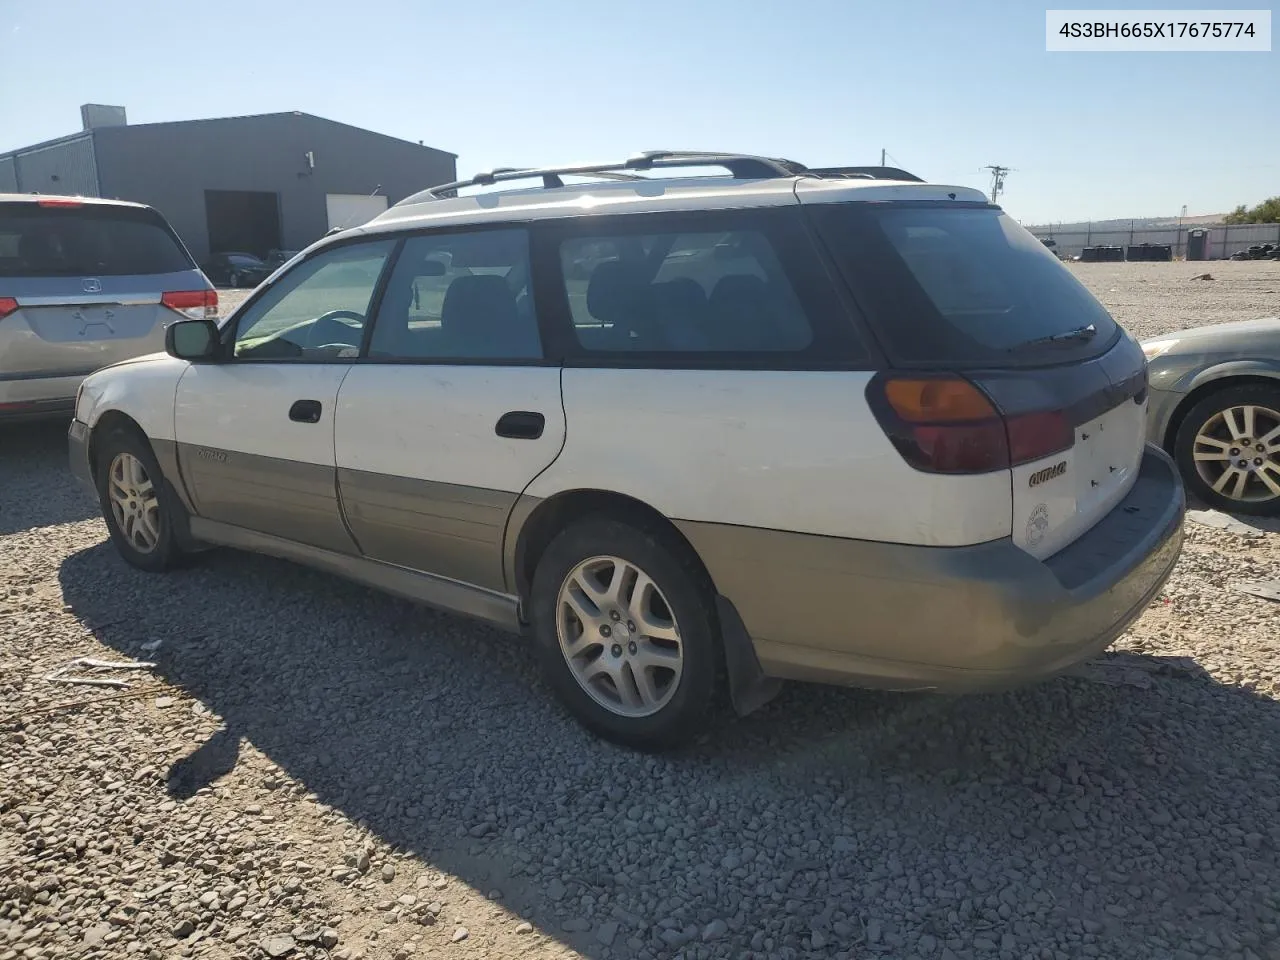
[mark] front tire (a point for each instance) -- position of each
(1228, 449)
(136, 502)
(624, 622)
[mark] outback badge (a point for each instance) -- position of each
(1048, 473)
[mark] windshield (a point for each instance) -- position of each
(86, 241)
(962, 285)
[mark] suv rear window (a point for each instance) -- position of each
(961, 285)
(86, 241)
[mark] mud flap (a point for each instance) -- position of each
(749, 688)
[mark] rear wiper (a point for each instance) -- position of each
(1080, 333)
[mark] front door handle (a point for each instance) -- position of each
(305, 411)
(520, 425)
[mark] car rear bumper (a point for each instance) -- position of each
(78, 454)
(956, 619)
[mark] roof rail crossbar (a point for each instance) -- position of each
(739, 166)
(871, 173)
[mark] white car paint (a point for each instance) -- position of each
(244, 408)
(786, 450)
(142, 389)
(443, 429)
(1096, 473)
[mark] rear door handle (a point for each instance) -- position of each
(305, 411)
(520, 425)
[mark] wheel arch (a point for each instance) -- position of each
(1210, 382)
(534, 523)
(105, 424)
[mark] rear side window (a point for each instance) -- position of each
(706, 288)
(719, 291)
(962, 285)
(86, 241)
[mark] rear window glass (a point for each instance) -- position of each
(88, 241)
(961, 284)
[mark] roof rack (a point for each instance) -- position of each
(872, 173)
(741, 166)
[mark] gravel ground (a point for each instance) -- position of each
(315, 770)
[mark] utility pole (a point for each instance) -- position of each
(882, 153)
(998, 174)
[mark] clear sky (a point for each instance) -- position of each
(945, 87)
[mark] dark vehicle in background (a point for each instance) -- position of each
(237, 269)
(85, 283)
(278, 258)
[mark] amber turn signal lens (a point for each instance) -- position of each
(937, 400)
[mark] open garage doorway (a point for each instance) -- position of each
(243, 221)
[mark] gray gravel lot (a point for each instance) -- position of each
(316, 770)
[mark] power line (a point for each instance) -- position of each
(998, 174)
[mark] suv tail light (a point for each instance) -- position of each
(7, 306)
(59, 203)
(196, 304)
(945, 424)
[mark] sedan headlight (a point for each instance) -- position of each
(1155, 348)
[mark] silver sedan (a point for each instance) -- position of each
(1215, 406)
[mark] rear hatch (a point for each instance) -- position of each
(1002, 360)
(86, 284)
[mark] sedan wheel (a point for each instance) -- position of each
(618, 636)
(134, 503)
(1238, 453)
(1229, 449)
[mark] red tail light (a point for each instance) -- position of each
(945, 424)
(196, 304)
(7, 306)
(59, 203)
(1036, 435)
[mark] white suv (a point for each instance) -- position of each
(689, 434)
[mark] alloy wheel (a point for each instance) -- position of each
(619, 637)
(1237, 453)
(134, 503)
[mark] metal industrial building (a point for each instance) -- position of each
(255, 183)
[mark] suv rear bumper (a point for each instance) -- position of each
(954, 619)
(37, 397)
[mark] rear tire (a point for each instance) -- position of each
(137, 503)
(625, 627)
(1217, 464)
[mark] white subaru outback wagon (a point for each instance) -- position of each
(691, 433)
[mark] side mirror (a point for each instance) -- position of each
(192, 339)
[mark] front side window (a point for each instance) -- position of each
(719, 291)
(316, 311)
(460, 296)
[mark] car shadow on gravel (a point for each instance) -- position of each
(1138, 796)
(31, 456)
